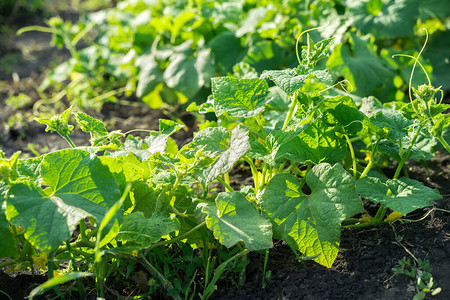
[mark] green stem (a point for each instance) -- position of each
(266, 259)
(254, 171)
(165, 284)
(367, 169)
(444, 143)
(242, 273)
(280, 168)
(175, 239)
(260, 124)
(67, 138)
(263, 176)
(9, 263)
(72, 258)
(220, 269)
(226, 177)
(290, 168)
(352, 153)
(225, 184)
(406, 156)
(75, 246)
(290, 113)
(83, 230)
(303, 181)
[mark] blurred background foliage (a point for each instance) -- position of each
(164, 52)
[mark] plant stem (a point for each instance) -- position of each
(83, 230)
(225, 184)
(226, 177)
(254, 171)
(367, 169)
(266, 259)
(280, 168)
(165, 284)
(290, 113)
(9, 263)
(352, 153)
(406, 156)
(220, 269)
(258, 120)
(444, 143)
(67, 138)
(263, 176)
(175, 239)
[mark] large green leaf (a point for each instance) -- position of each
(239, 145)
(342, 111)
(311, 223)
(394, 122)
(239, 97)
(155, 142)
(250, 23)
(360, 65)
(403, 195)
(317, 143)
(149, 76)
(290, 80)
(287, 80)
(188, 74)
(269, 152)
(233, 218)
(79, 185)
(384, 18)
(212, 141)
(227, 51)
(138, 229)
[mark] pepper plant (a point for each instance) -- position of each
(313, 152)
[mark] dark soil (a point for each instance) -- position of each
(363, 268)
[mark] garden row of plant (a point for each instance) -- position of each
(313, 155)
(165, 51)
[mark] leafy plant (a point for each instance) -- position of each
(422, 276)
(304, 141)
(146, 49)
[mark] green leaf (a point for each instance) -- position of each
(58, 123)
(312, 223)
(124, 173)
(317, 143)
(394, 122)
(405, 194)
(155, 142)
(29, 167)
(250, 23)
(342, 111)
(384, 18)
(186, 74)
(287, 80)
(239, 145)
(149, 76)
(8, 245)
(360, 65)
(423, 149)
(212, 141)
(168, 126)
(95, 127)
(55, 281)
(239, 97)
(269, 152)
(79, 185)
(48, 220)
(233, 218)
(227, 51)
(138, 229)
